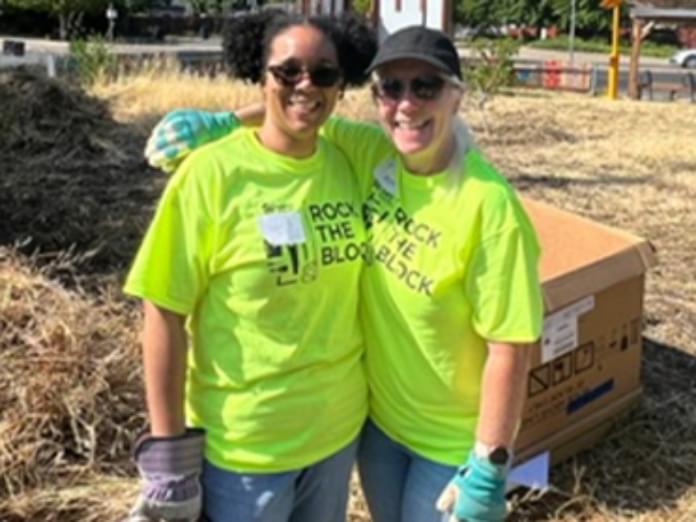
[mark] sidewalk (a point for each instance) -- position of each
(532, 53)
(580, 58)
(43, 46)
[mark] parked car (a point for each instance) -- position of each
(684, 58)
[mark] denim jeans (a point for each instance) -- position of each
(399, 485)
(316, 493)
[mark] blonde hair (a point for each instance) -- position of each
(463, 142)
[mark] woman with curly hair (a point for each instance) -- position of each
(450, 295)
(251, 346)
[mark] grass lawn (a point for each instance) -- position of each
(601, 45)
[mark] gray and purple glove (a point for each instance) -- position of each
(170, 468)
(181, 131)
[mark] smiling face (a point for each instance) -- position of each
(421, 129)
(296, 109)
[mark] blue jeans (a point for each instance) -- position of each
(316, 493)
(399, 485)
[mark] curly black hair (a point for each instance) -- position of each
(247, 42)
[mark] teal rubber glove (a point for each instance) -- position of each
(183, 130)
(479, 488)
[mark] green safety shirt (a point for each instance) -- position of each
(263, 254)
(454, 264)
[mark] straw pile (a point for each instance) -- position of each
(70, 385)
(70, 389)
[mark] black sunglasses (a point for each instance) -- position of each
(425, 88)
(290, 74)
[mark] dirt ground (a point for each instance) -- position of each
(75, 196)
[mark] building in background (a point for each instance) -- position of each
(325, 7)
(390, 15)
(395, 14)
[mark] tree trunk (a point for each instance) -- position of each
(70, 23)
(63, 26)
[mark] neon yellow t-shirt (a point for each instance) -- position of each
(455, 264)
(263, 253)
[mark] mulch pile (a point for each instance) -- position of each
(72, 177)
(75, 197)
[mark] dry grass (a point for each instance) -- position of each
(153, 92)
(626, 164)
(70, 385)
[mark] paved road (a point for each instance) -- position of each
(41, 46)
(590, 58)
(190, 50)
(185, 45)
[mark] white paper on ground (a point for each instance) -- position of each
(533, 473)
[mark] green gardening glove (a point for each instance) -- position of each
(183, 130)
(477, 492)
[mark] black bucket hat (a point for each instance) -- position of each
(419, 43)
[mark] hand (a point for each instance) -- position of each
(170, 468)
(183, 130)
(476, 493)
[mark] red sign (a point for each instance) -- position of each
(610, 4)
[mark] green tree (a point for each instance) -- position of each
(200, 6)
(480, 14)
(217, 6)
(485, 14)
(540, 14)
(68, 12)
(362, 6)
(589, 15)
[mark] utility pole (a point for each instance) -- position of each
(613, 87)
(111, 16)
(571, 38)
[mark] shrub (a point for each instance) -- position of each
(362, 6)
(93, 59)
(492, 67)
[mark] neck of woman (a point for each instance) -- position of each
(283, 143)
(427, 162)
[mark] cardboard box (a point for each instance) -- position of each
(582, 434)
(586, 370)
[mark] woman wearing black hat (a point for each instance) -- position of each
(450, 300)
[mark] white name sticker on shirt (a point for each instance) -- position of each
(561, 329)
(282, 228)
(385, 174)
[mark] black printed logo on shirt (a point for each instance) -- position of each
(333, 239)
